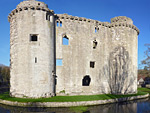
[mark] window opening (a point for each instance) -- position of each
(95, 29)
(38, 3)
(47, 17)
(35, 60)
(59, 62)
(60, 23)
(65, 40)
(92, 64)
(94, 44)
(33, 38)
(86, 80)
(57, 24)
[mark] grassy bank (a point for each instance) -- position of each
(144, 90)
(6, 96)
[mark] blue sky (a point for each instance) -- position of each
(102, 10)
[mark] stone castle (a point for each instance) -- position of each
(59, 54)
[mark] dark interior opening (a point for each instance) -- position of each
(94, 44)
(35, 60)
(47, 16)
(33, 38)
(86, 80)
(92, 64)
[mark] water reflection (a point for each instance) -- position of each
(138, 106)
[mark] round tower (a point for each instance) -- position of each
(123, 56)
(32, 50)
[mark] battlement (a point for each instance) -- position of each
(33, 3)
(122, 19)
(66, 16)
(30, 5)
(116, 21)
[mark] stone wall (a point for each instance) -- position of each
(115, 56)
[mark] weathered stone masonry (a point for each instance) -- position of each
(100, 57)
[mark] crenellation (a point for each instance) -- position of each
(16, 10)
(27, 8)
(114, 21)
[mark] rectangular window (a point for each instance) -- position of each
(92, 64)
(33, 37)
(59, 62)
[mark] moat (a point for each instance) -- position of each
(137, 106)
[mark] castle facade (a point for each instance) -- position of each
(59, 54)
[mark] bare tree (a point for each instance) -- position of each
(118, 72)
(146, 61)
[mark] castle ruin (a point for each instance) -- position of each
(59, 54)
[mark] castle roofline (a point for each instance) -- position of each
(116, 21)
(30, 5)
(66, 16)
(121, 19)
(33, 3)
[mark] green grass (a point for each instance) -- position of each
(6, 96)
(144, 90)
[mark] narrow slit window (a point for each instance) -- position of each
(95, 29)
(60, 23)
(59, 62)
(47, 17)
(65, 40)
(57, 24)
(33, 38)
(92, 64)
(94, 44)
(35, 59)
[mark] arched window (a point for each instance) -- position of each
(86, 80)
(95, 29)
(60, 23)
(65, 40)
(57, 24)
